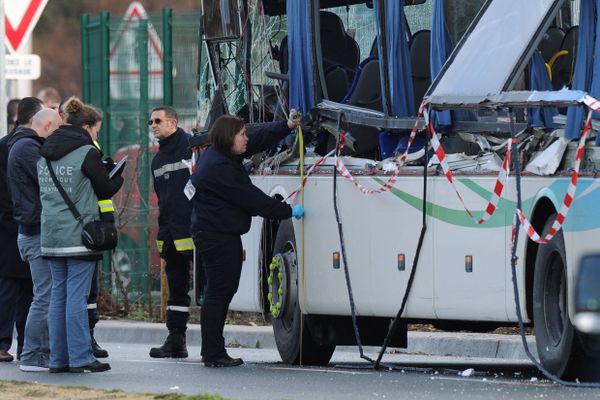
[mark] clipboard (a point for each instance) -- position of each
(117, 167)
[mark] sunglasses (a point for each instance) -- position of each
(157, 121)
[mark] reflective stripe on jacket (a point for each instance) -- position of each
(170, 175)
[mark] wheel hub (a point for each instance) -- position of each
(278, 283)
(554, 301)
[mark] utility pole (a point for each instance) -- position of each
(2, 74)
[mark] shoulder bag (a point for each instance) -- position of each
(96, 235)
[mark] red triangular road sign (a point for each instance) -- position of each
(20, 17)
(124, 65)
(135, 12)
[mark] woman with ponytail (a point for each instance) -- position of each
(77, 166)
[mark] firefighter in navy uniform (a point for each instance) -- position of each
(171, 177)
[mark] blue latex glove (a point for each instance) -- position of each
(297, 211)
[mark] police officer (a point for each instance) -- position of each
(171, 177)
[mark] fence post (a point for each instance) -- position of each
(142, 36)
(104, 135)
(105, 80)
(167, 17)
(85, 57)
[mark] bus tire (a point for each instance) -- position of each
(556, 339)
(291, 335)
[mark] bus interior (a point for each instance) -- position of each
(354, 88)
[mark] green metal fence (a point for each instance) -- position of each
(129, 67)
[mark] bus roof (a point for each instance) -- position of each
(489, 59)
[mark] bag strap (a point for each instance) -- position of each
(62, 192)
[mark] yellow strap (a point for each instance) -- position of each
(159, 244)
(106, 206)
(97, 144)
(184, 244)
(549, 70)
(302, 287)
(556, 55)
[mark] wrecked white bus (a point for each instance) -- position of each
(421, 145)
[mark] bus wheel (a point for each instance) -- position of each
(556, 339)
(294, 341)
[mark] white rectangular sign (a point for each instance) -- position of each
(23, 66)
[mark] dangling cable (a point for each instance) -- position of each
(343, 250)
(395, 322)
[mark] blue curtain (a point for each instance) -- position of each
(299, 56)
(399, 68)
(582, 76)
(540, 80)
(441, 47)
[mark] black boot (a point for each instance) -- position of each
(98, 351)
(174, 347)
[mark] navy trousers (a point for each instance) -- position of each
(177, 269)
(15, 299)
(93, 316)
(222, 260)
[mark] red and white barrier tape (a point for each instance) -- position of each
(346, 174)
(492, 206)
(343, 170)
(570, 195)
(500, 181)
(320, 161)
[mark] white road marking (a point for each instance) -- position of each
(326, 371)
(490, 381)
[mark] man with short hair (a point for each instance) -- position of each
(50, 97)
(25, 192)
(171, 176)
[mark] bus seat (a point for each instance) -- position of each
(336, 81)
(283, 55)
(366, 86)
(337, 47)
(563, 65)
(551, 42)
(419, 58)
(364, 92)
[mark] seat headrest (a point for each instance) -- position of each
(551, 42)
(420, 54)
(331, 24)
(570, 40)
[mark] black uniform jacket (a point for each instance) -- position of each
(11, 265)
(225, 198)
(170, 177)
(24, 154)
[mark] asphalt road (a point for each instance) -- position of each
(348, 377)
